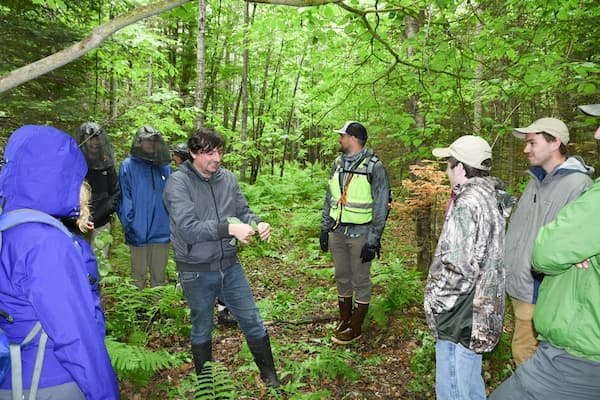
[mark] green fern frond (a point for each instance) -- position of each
(131, 360)
(215, 383)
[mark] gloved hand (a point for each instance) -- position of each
(369, 252)
(324, 241)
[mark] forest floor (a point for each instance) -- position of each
(387, 379)
(382, 356)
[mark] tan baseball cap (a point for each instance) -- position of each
(590, 109)
(469, 149)
(551, 126)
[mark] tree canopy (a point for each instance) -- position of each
(416, 73)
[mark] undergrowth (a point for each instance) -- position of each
(294, 284)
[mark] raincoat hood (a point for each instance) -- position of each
(43, 169)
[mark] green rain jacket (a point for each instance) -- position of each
(567, 313)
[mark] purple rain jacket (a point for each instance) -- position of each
(43, 275)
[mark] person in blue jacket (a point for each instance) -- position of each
(43, 276)
(145, 221)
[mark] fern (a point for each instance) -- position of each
(137, 363)
(130, 310)
(403, 287)
(422, 364)
(215, 383)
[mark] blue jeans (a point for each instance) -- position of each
(231, 286)
(457, 372)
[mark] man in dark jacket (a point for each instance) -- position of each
(142, 177)
(43, 276)
(181, 154)
(101, 176)
(209, 215)
(354, 215)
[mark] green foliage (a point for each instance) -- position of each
(403, 287)
(422, 364)
(103, 239)
(325, 362)
(213, 383)
(134, 313)
(136, 363)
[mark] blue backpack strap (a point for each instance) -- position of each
(7, 221)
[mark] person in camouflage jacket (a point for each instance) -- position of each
(464, 294)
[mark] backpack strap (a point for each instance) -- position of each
(9, 220)
(16, 364)
(23, 215)
(370, 165)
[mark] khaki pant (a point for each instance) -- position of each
(153, 257)
(352, 276)
(524, 342)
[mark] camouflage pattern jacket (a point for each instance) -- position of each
(464, 295)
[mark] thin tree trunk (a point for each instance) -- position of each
(291, 113)
(114, 95)
(200, 64)
(477, 103)
(244, 127)
(422, 214)
(150, 78)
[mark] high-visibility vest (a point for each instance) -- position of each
(352, 204)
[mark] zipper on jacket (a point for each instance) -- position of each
(218, 217)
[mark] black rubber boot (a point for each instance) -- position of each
(354, 332)
(202, 353)
(224, 317)
(345, 305)
(263, 357)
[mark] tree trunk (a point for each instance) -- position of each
(291, 113)
(244, 122)
(422, 214)
(477, 103)
(200, 64)
(150, 78)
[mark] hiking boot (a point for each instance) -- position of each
(354, 331)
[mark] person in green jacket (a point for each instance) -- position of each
(566, 364)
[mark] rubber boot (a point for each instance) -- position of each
(345, 305)
(224, 317)
(263, 357)
(355, 330)
(202, 353)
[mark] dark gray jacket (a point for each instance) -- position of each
(199, 209)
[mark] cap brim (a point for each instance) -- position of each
(441, 152)
(522, 133)
(590, 109)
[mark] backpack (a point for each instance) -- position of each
(368, 171)
(10, 353)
